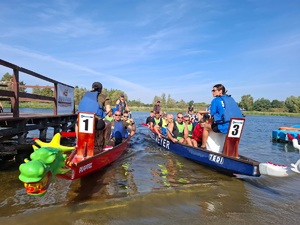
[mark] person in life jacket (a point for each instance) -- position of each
(127, 117)
(121, 104)
(178, 132)
(120, 129)
(190, 125)
(223, 107)
(150, 118)
(160, 125)
(109, 115)
(95, 102)
(198, 132)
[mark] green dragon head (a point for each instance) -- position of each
(46, 162)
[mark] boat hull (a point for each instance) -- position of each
(226, 164)
(94, 163)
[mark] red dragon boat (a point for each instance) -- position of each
(52, 159)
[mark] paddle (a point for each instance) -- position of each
(68, 134)
(144, 125)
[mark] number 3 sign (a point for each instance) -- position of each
(236, 128)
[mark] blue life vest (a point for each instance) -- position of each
(118, 130)
(231, 109)
(89, 103)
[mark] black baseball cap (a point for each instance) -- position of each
(97, 86)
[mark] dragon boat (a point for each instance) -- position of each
(221, 154)
(52, 159)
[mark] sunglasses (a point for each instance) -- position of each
(179, 117)
(125, 116)
(213, 90)
(117, 114)
(186, 120)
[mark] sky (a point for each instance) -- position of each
(149, 47)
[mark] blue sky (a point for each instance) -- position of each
(150, 47)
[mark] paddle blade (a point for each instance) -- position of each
(68, 134)
(144, 124)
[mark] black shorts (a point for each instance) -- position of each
(215, 128)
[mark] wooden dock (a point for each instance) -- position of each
(14, 126)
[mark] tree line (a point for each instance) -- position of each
(291, 104)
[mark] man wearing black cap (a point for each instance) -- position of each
(121, 104)
(95, 102)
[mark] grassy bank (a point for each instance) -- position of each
(256, 113)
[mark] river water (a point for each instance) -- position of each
(149, 185)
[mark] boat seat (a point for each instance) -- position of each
(215, 142)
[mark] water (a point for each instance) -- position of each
(148, 185)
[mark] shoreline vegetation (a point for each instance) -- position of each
(42, 105)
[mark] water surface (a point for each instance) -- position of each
(149, 185)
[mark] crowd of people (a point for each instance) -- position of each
(193, 128)
(112, 124)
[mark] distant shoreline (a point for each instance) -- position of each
(148, 109)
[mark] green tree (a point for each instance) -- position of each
(163, 99)
(8, 79)
(277, 104)
(293, 104)
(47, 92)
(182, 104)
(78, 94)
(191, 102)
(262, 105)
(246, 102)
(36, 90)
(171, 103)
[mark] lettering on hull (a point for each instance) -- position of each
(216, 158)
(163, 142)
(85, 167)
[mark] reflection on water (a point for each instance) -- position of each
(148, 185)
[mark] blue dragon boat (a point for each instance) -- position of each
(226, 159)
